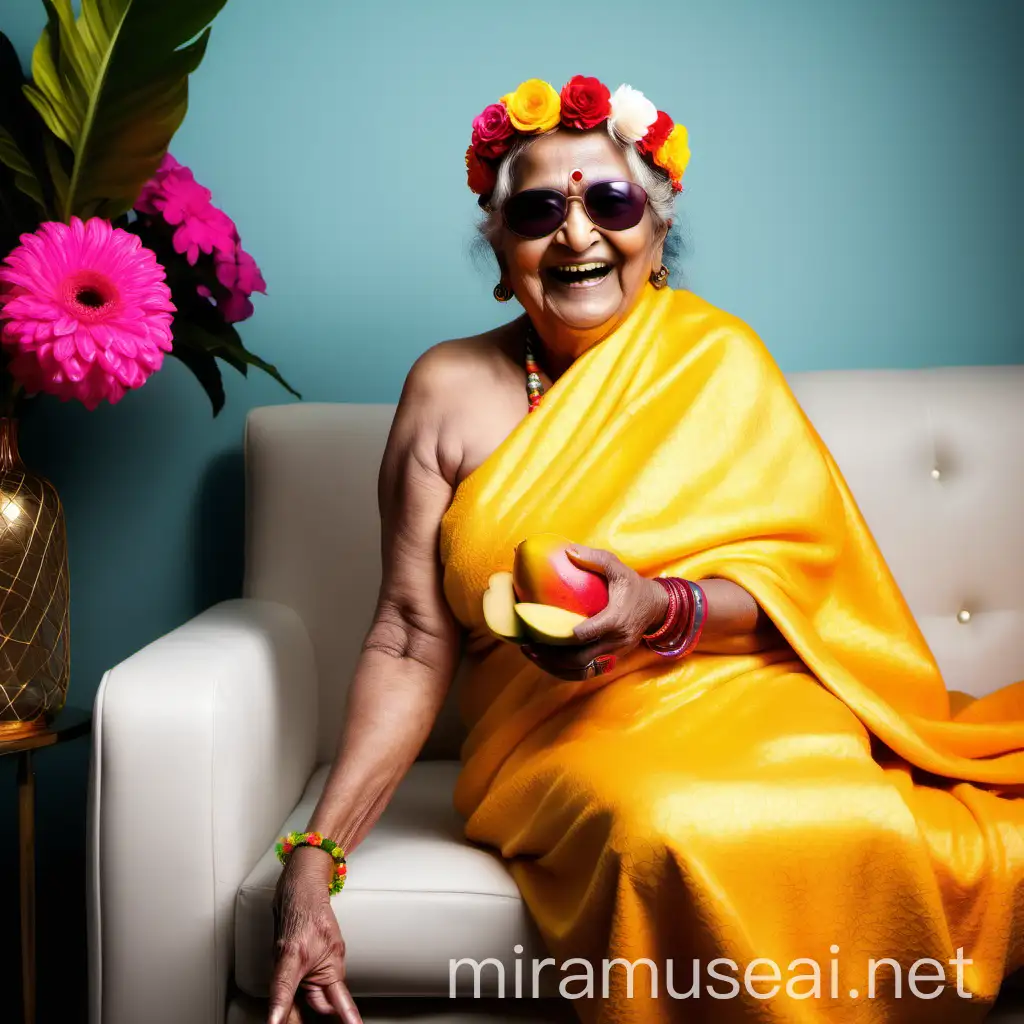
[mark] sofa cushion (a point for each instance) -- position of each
(418, 895)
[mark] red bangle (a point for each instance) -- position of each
(684, 621)
(673, 605)
(685, 631)
(677, 614)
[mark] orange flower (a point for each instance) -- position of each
(534, 106)
(674, 153)
(287, 847)
(314, 839)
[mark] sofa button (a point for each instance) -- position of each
(963, 616)
(936, 473)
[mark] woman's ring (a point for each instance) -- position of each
(599, 665)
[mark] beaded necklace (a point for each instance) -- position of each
(534, 385)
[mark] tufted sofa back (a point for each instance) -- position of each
(935, 459)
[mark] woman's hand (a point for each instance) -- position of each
(308, 946)
(636, 605)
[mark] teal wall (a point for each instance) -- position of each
(854, 194)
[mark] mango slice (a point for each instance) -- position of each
(499, 609)
(548, 624)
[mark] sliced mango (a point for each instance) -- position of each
(499, 609)
(547, 623)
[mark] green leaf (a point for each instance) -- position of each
(47, 78)
(207, 372)
(55, 164)
(225, 344)
(24, 177)
(21, 151)
(113, 86)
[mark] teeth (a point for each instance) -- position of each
(579, 268)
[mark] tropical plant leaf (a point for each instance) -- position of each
(225, 343)
(52, 148)
(21, 134)
(14, 215)
(206, 371)
(24, 176)
(112, 84)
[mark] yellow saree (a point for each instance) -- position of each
(794, 814)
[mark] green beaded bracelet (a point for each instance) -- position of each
(287, 843)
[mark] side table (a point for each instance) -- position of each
(68, 724)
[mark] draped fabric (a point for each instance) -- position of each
(824, 803)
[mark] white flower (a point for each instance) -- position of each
(632, 113)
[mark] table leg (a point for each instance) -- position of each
(27, 866)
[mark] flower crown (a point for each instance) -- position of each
(583, 103)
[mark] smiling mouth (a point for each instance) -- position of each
(581, 274)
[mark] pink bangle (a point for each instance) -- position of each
(678, 621)
(670, 615)
(671, 642)
(683, 640)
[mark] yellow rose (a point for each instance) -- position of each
(533, 107)
(674, 153)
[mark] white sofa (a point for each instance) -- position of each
(215, 737)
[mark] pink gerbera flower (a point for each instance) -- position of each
(174, 194)
(87, 312)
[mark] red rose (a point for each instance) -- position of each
(586, 102)
(481, 175)
(287, 847)
(492, 131)
(656, 134)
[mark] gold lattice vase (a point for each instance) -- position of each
(34, 594)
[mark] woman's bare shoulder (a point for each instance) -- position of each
(461, 360)
(451, 384)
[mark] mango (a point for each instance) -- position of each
(543, 574)
(499, 609)
(547, 624)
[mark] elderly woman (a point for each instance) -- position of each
(748, 752)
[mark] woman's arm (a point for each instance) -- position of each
(411, 649)
(735, 622)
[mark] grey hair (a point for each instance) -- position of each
(662, 197)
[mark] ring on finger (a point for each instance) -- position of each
(599, 666)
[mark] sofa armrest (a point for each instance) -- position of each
(202, 744)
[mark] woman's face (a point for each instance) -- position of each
(572, 312)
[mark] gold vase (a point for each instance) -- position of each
(34, 594)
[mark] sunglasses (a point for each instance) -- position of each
(611, 205)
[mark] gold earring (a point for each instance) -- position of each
(502, 292)
(659, 277)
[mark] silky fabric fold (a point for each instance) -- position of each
(825, 801)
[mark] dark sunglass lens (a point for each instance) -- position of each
(616, 205)
(535, 212)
